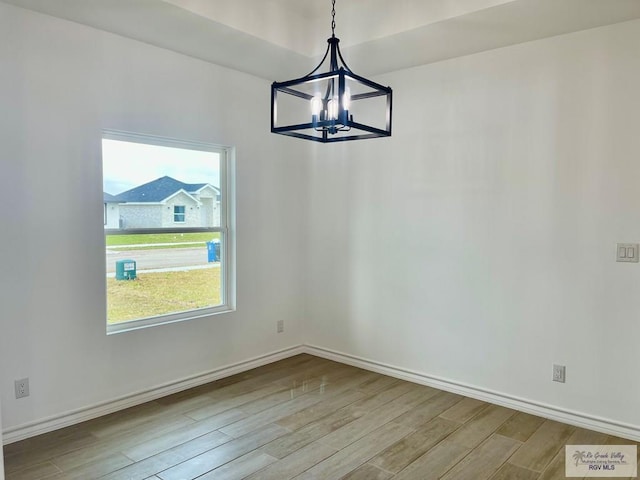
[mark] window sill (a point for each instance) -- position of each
(132, 325)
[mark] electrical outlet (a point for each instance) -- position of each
(280, 326)
(559, 372)
(22, 388)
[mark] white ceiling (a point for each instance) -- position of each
(303, 25)
(281, 39)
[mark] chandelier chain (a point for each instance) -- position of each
(333, 18)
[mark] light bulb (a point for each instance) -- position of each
(346, 98)
(316, 105)
(332, 108)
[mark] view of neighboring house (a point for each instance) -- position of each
(163, 203)
(111, 211)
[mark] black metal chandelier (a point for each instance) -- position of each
(334, 106)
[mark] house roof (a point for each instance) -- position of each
(108, 198)
(159, 190)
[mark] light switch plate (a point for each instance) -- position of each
(627, 252)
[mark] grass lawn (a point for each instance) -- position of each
(156, 293)
(150, 238)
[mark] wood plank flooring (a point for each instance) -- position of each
(304, 418)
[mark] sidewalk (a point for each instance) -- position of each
(204, 244)
(172, 269)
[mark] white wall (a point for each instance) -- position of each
(113, 215)
(1, 454)
(478, 243)
(61, 83)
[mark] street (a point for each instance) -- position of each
(159, 258)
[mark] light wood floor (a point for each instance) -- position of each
(305, 418)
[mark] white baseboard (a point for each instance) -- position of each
(579, 419)
(56, 422)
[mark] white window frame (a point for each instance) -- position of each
(184, 213)
(226, 230)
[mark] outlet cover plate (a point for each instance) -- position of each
(22, 388)
(559, 373)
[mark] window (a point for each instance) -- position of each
(168, 221)
(178, 213)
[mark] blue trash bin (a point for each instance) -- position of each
(213, 250)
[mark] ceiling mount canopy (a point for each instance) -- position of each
(333, 106)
